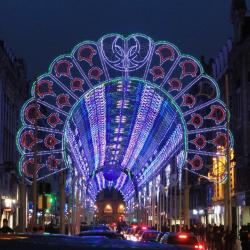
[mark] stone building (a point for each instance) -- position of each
(14, 89)
(110, 207)
(233, 62)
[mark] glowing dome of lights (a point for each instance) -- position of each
(117, 111)
(120, 127)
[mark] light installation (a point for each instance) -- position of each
(117, 111)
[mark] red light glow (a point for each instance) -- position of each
(182, 236)
(144, 228)
(134, 227)
(199, 246)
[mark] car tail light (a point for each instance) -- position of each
(144, 228)
(134, 227)
(199, 246)
(183, 236)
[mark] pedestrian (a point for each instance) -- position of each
(202, 232)
(119, 227)
(244, 237)
(229, 240)
(6, 228)
(210, 238)
(218, 235)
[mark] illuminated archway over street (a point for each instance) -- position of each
(118, 111)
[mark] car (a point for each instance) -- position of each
(184, 241)
(159, 236)
(107, 233)
(149, 235)
(94, 227)
(64, 242)
(128, 233)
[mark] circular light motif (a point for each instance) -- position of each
(196, 162)
(121, 104)
(86, 53)
(33, 113)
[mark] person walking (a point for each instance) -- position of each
(244, 238)
(218, 235)
(210, 237)
(6, 228)
(229, 240)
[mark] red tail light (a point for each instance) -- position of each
(134, 227)
(199, 246)
(183, 236)
(144, 228)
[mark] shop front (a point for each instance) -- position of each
(8, 209)
(215, 214)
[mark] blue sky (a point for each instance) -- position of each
(41, 30)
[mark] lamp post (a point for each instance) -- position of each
(166, 190)
(62, 201)
(34, 183)
(186, 200)
(22, 218)
(227, 195)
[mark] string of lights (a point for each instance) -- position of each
(117, 111)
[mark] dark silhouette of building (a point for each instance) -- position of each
(110, 206)
(14, 89)
(239, 77)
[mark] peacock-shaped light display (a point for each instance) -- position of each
(117, 111)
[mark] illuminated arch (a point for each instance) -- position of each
(103, 83)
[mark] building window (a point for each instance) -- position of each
(121, 209)
(108, 209)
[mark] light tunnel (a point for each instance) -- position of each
(117, 111)
(121, 133)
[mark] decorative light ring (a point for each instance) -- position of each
(71, 77)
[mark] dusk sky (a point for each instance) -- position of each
(40, 30)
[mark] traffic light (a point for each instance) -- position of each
(40, 201)
(45, 199)
(50, 198)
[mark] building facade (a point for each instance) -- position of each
(233, 62)
(110, 207)
(14, 89)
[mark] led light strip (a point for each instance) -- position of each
(96, 107)
(147, 112)
(120, 181)
(121, 86)
(128, 190)
(79, 122)
(172, 144)
(167, 122)
(100, 180)
(82, 164)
